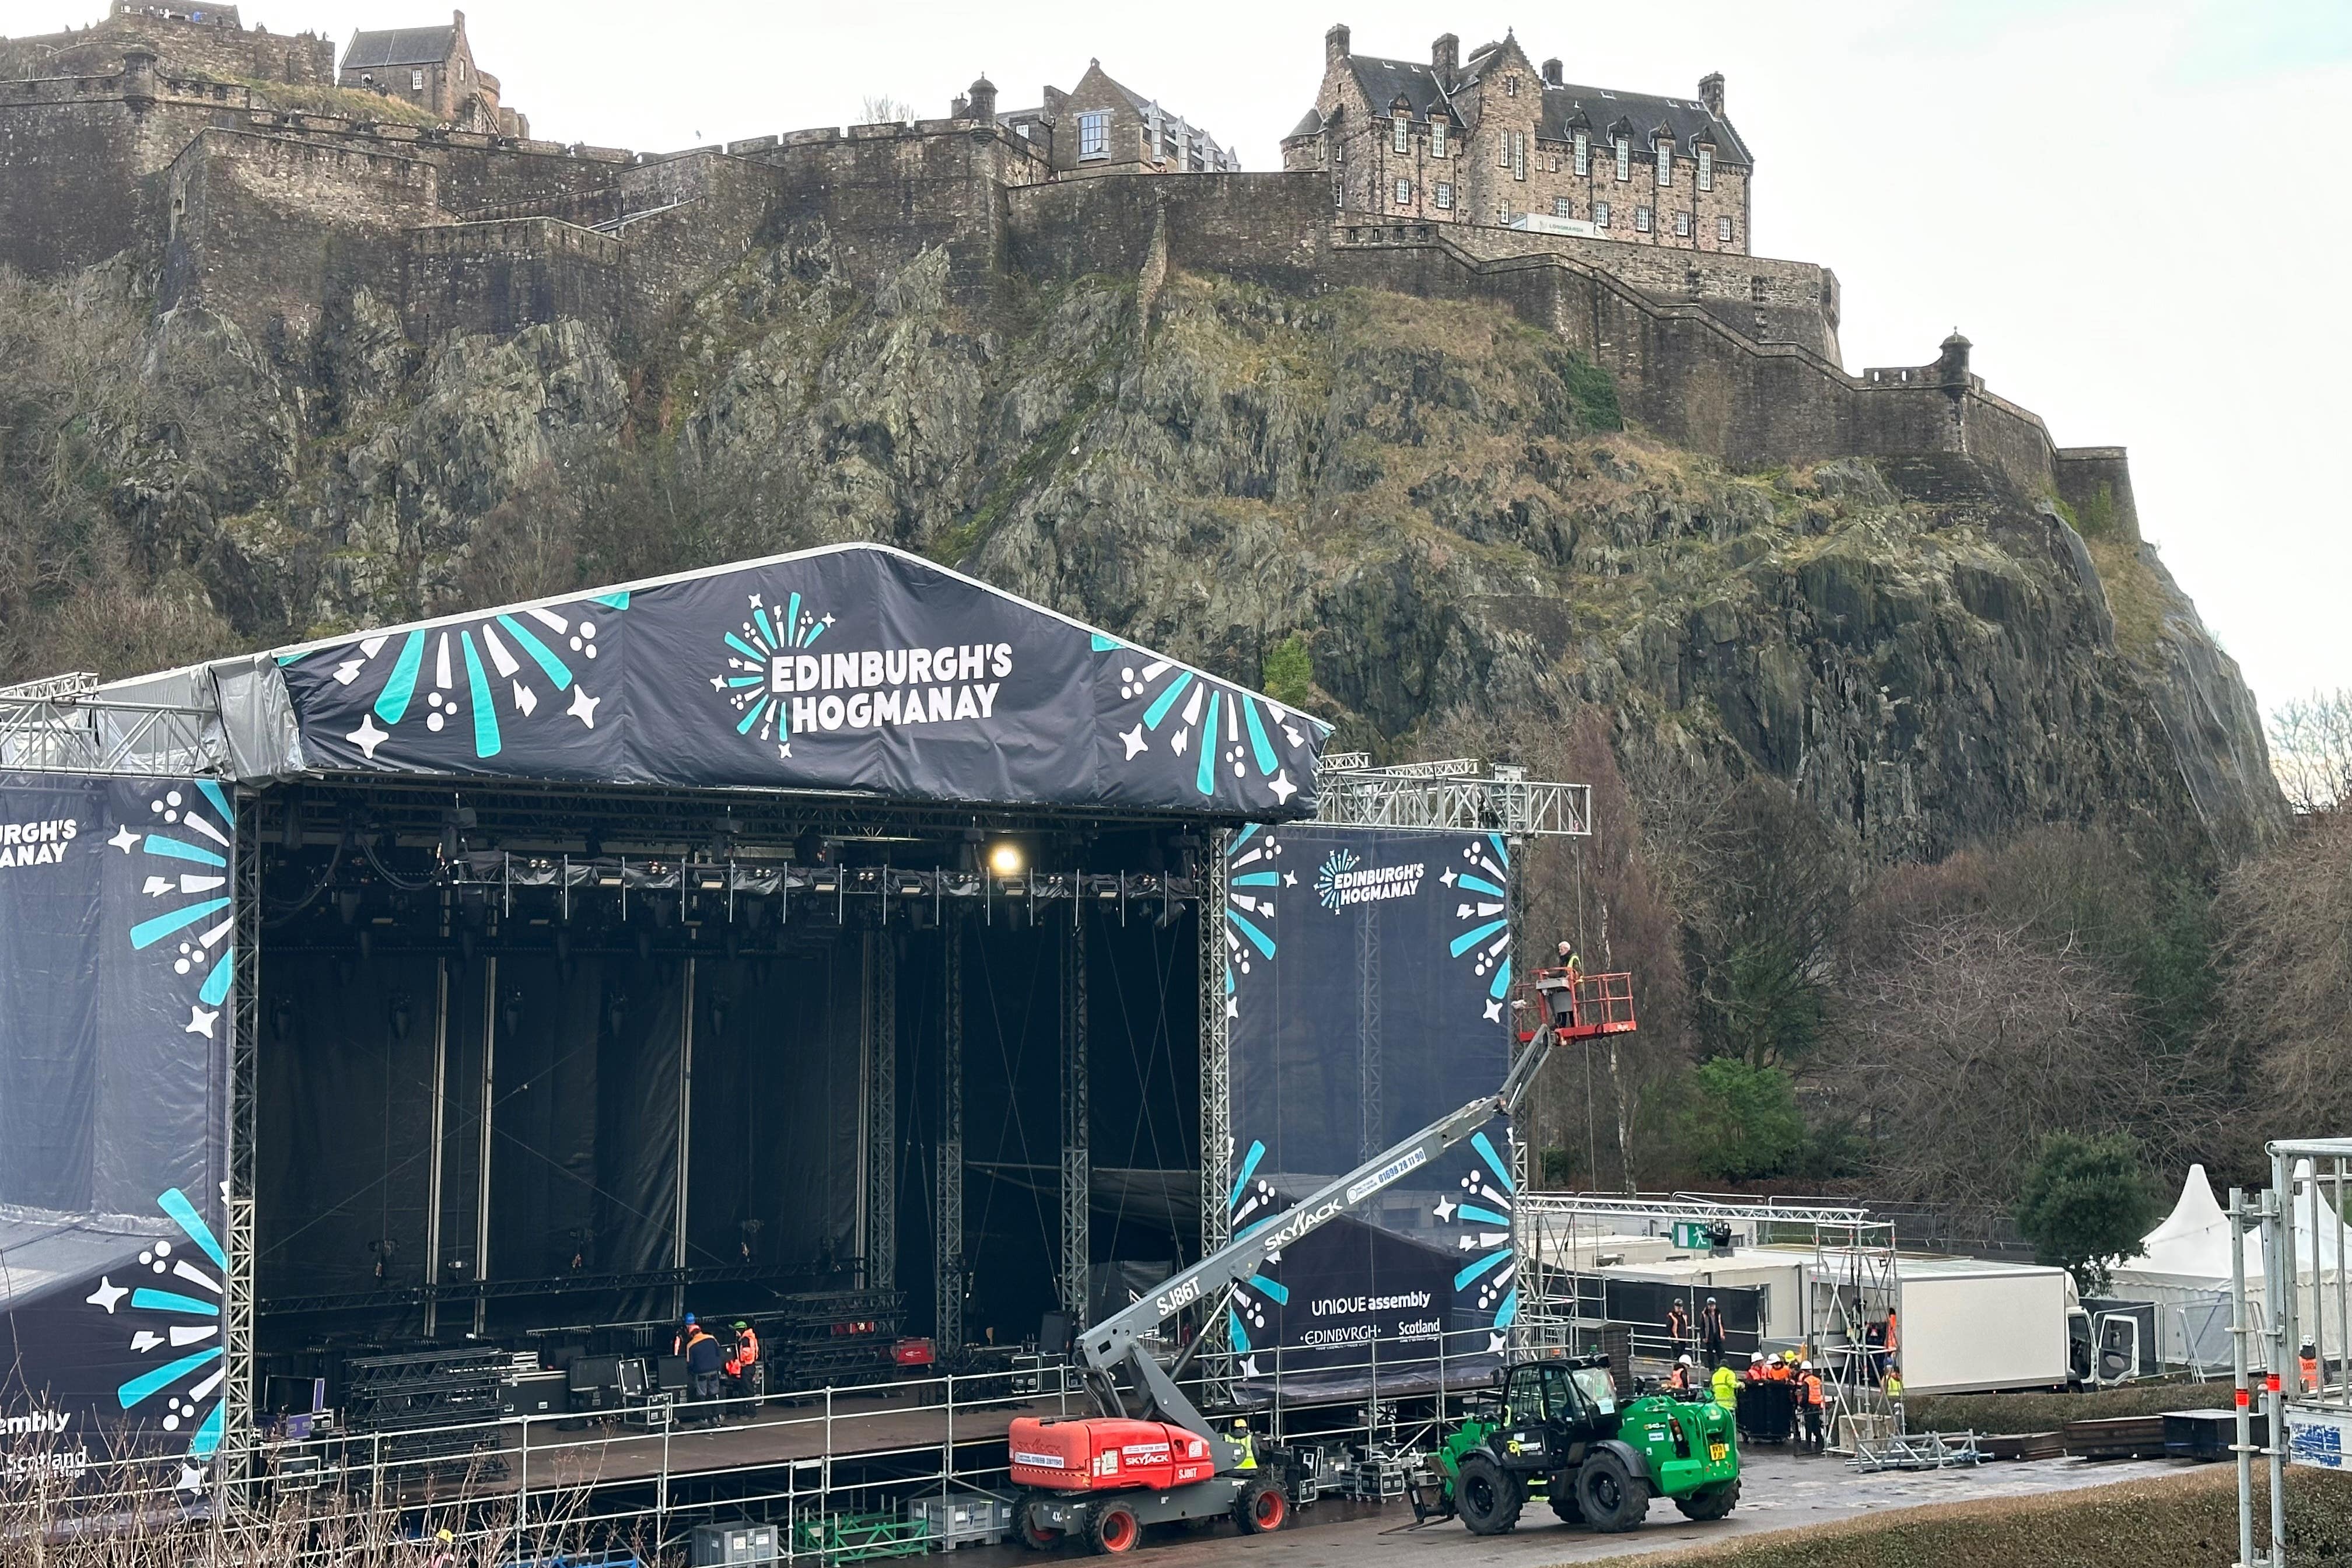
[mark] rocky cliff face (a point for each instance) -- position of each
(1435, 497)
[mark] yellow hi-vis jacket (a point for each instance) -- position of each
(1726, 1388)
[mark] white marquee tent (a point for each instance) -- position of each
(2184, 1269)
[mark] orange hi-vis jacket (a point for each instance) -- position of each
(1812, 1382)
(747, 1346)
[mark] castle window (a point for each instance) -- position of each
(1665, 164)
(1561, 207)
(1723, 229)
(1583, 153)
(416, 80)
(1518, 154)
(1625, 158)
(1756, 289)
(1706, 168)
(1682, 225)
(1400, 134)
(1437, 139)
(1404, 192)
(1445, 196)
(1601, 214)
(1510, 86)
(1641, 220)
(1502, 149)
(1094, 135)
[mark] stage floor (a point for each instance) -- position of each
(861, 1428)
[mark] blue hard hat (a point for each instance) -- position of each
(689, 1318)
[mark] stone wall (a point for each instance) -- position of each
(2095, 483)
(506, 274)
(182, 47)
(80, 167)
(268, 230)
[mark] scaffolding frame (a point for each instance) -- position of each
(1455, 795)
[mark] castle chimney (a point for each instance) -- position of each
(1710, 93)
(1335, 44)
(959, 107)
(983, 99)
(1445, 57)
(1552, 73)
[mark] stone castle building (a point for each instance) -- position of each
(1493, 140)
(432, 68)
(1101, 127)
(166, 138)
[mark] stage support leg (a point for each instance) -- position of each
(1215, 1359)
(433, 1161)
(482, 1163)
(1077, 1173)
(685, 1140)
(1371, 1135)
(238, 1389)
(947, 1243)
(882, 1117)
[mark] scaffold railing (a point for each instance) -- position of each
(61, 725)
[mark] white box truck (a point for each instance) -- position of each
(1968, 1325)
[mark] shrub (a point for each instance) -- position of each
(1740, 1121)
(2086, 1204)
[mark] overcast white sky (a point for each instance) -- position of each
(2132, 209)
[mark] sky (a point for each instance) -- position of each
(2128, 208)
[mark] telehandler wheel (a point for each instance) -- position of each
(1612, 1500)
(1114, 1528)
(1262, 1507)
(1487, 1497)
(1563, 1498)
(1710, 1502)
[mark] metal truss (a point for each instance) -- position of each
(1666, 1208)
(882, 1160)
(946, 1247)
(238, 1392)
(1456, 794)
(1215, 1359)
(1078, 1155)
(1371, 1129)
(62, 725)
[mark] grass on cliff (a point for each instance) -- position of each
(2186, 1520)
(350, 103)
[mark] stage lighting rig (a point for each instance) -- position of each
(1006, 859)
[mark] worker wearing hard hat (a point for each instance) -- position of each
(1756, 1367)
(1681, 1379)
(1246, 1441)
(1810, 1403)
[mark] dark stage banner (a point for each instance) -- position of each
(115, 968)
(857, 668)
(1367, 984)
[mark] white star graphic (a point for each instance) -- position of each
(1290, 879)
(828, 620)
(584, 707)
(108, 1295)
(192, 1478)
(718, 683)
(783, 748)
(1444, 1209)
(1494, 1012)
(1495, 1343)
(1283, 788)
(1136, 743)
(755, 601)
(1448, 877)
(1232, 1007)
(367, 737)
(1249, 1366)
(123, 838)
(201, 1022)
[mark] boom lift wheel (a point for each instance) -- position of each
(1487, 1497)
(1612, 1498)
(1262, 1507)
(1034, 1536)
(1114, 1528)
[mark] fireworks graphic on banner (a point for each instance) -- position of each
(1220, 727)
(1251, 1206)
(1335, 865)
(182, 1390)
(1251, 881)
(186, 852)
(463, 671)
(1484, 909)
(757, 641)
(1483, 1210)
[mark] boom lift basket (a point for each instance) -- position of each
(1577, 1005)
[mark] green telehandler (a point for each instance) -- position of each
(1553, 1428)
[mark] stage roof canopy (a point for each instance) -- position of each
(854, 669)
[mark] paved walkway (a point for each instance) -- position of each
(1777, 1492)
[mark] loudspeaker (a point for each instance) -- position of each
(1053, 1334)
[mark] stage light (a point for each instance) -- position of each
(710, 880)
(826, 881)
(608, 875)
(1004, 858)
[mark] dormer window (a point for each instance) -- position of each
(1094, 135)
(1437, 137)
(1665, 164)
(1706, 168)
(1624, 158)
(1583, 153)
(1401, 133)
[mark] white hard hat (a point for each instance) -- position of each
(1804, 1366)
(1685, 1360)
(1755, 1355)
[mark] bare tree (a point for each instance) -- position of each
(2311, 750)
(881, 108)
(1968, 1040)
(2288, 1011)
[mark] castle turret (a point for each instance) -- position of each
(983, 95)
(1445, 57)
(1335, 44)
(139, 72)
(1952, 364)
(1710, 93)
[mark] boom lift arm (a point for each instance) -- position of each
(1116, 1341)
